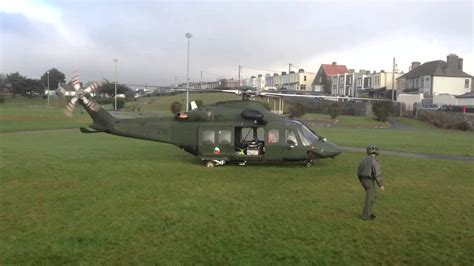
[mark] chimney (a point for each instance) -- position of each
(460, 63)
(415, 64)
(334, 63)
(453, 61)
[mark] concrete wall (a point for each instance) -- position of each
(409, 100)
(446, 99)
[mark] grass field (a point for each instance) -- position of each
(67, 197)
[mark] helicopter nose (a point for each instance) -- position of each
(330, 150)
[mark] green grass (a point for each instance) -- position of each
(424, 141)
(22, 114)
(347, 121)
(67, 197)
(415, 123)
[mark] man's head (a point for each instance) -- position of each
(372, 150)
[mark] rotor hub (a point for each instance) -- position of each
(81, 93)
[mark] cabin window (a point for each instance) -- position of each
(224, 137)
(273, 136)
(208, 137)
(291, 137)
(466, 83)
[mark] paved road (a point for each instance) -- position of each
(414, 154)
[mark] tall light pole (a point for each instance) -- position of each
(115, 95)
(48, 88)
(188, 36)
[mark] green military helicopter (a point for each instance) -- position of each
(231, 131)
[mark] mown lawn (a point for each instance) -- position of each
(23, 114)
(424, 141)
(347, 120)
(67, 197)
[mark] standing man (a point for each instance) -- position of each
(370, 172)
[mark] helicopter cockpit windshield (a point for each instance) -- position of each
(307, 135)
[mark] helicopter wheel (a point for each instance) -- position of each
(210, 164)
(309, 163)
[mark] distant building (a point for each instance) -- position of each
(436, 77)
(363, 84)
(301, 80)
(323, 79)
(229, 83)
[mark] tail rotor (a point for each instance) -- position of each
(75, 92)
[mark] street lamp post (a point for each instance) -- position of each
(188, 36)
(115, 95)
(48, 88)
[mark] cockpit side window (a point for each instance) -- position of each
(291, 137)
(273, 136)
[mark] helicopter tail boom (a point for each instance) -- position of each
(102, 120)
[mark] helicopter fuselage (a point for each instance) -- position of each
(232, 131)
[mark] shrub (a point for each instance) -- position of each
(297, 110)
(266, 105)
(175, 107)
(120, 103)
(104, 101)
(382, 110)
(335, 109)
(199, 103)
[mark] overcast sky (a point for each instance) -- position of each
(147, 37)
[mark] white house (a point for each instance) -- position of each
(436, 77)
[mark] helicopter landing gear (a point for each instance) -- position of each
(213, 163)
(308, 163)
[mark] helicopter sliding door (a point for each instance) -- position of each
(274, 144)
(216, 143)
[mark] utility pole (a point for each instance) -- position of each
(188, 36)
(115, 95)
(393, 80)
(289, 69)
(239, 75)
(48, 88)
